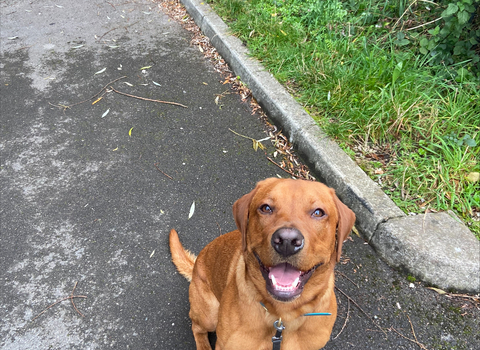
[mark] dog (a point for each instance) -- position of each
(262, 282)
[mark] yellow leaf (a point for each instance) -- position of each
(147, 67)
(98, 99)
(130, 131)
(283, 32)
(439, 291)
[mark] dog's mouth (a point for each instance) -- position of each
(284, 281)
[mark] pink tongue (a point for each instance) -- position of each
(285, 274)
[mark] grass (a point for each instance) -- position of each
(413, 126)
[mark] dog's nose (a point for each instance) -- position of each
(287, 241)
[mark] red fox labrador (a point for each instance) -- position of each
(272, 279)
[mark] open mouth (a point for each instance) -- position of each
(284, 281)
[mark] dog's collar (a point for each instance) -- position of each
(307, 314)
(280, 327)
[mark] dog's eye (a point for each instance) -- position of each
(318, 213)
(266, 209)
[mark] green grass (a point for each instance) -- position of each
(413, 126)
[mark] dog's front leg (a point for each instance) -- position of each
(201, 337)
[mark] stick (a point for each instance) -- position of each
(71, 299)
(155, 164)
(356, 285)
(147, 99)
(88, 99)
(287, 171)
(111, 30)
(57, 302)
(358, 306)
(412, 340)
(346, 320)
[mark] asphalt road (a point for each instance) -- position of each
(86, 204)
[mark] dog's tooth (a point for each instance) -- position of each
(274, 282)
(296, 282)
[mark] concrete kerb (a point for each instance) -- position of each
(436, 247)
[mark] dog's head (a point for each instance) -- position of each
(292, 231)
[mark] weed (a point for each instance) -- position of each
(357, 67)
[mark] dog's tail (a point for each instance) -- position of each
(182, 258)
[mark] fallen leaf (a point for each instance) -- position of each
(439, 291)
(147, 67)
(98, 99)
(473, 177)
(101, 71)
(127, 83)
(115, 149)
(192, 210)
(106, 112)
(152, 253)
(77, 47)
(155, 83)
(130, 131)
(113, 46)
(13, 38)
(257, 145)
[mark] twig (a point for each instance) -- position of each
(147, 99)
(287, 171)
(412, 340)
(59, 301)
(71, 299)
(425, 24)
(343, 275)
(88, 99)
(346, 320)
(413, 330)
(111, 30)
(155, 164)
(358, 306)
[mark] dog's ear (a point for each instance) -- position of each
(346, 220)
(240, 213)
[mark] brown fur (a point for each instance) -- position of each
(227, 286)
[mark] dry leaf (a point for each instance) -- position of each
(106, 112)
(192, 210)
(439, 291)
(130, 131)
(473, 177)
(101, 71)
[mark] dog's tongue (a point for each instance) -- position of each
(284, 274)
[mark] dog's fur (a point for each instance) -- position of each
(227, 286)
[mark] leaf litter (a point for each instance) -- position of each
(290, 162)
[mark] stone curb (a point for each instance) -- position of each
(436, 247)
